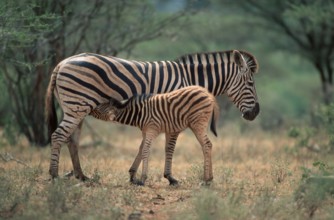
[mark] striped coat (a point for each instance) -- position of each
(82, 82)
(171, 113)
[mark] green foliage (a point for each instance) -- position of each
(12, 197)
(304, 137)
(15, 194)
(36, 35)
(304, 27)
(57, 197)
(10, 130)
(21, 27)
(314, 14)
(321, 126)
(316, 187)
(26, 27)
(209, 205)
(323, 169)
(324, 118)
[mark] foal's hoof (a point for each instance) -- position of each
(173, 182)
(137, 182)
(206, 183)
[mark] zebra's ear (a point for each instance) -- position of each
(239, 59)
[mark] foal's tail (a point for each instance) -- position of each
(215, 116)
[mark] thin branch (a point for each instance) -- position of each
(88, 20)
(265, 13)
(8, 157)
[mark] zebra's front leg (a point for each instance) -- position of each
(169, 150)
(134, 167)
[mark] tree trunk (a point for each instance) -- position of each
(326, 81)
(328, 93)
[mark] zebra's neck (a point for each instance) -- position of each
(209, 70)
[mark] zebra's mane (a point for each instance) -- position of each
(192, 58)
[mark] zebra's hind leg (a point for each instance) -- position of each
(134, 167)
(169, 150)
(73, 149)
(206, 144)
(60, 136)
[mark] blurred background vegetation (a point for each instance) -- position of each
(293, 41)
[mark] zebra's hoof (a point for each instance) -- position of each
(54, 174)
(69, 174)
(80, 177)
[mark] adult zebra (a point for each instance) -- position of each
(82, 82)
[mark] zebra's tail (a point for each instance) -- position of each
(50, 109)
(214, 119)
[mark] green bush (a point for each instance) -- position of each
(318, 135)
(316, 187)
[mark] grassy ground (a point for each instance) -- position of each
(256, 176)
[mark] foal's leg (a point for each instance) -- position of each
(206, 144)
(169, 150)
(135, 165)
(148, 138)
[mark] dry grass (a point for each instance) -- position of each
(255, 177)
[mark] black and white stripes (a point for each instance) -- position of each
(169, 113)
(82, 82)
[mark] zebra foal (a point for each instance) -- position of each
(170, 113)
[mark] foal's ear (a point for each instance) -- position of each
(239, 59)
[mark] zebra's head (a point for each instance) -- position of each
(241, 89)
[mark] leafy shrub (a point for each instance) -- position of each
(209, 205)
(315, 187)
(318, 136)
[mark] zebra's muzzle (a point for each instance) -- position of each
(251, 114)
